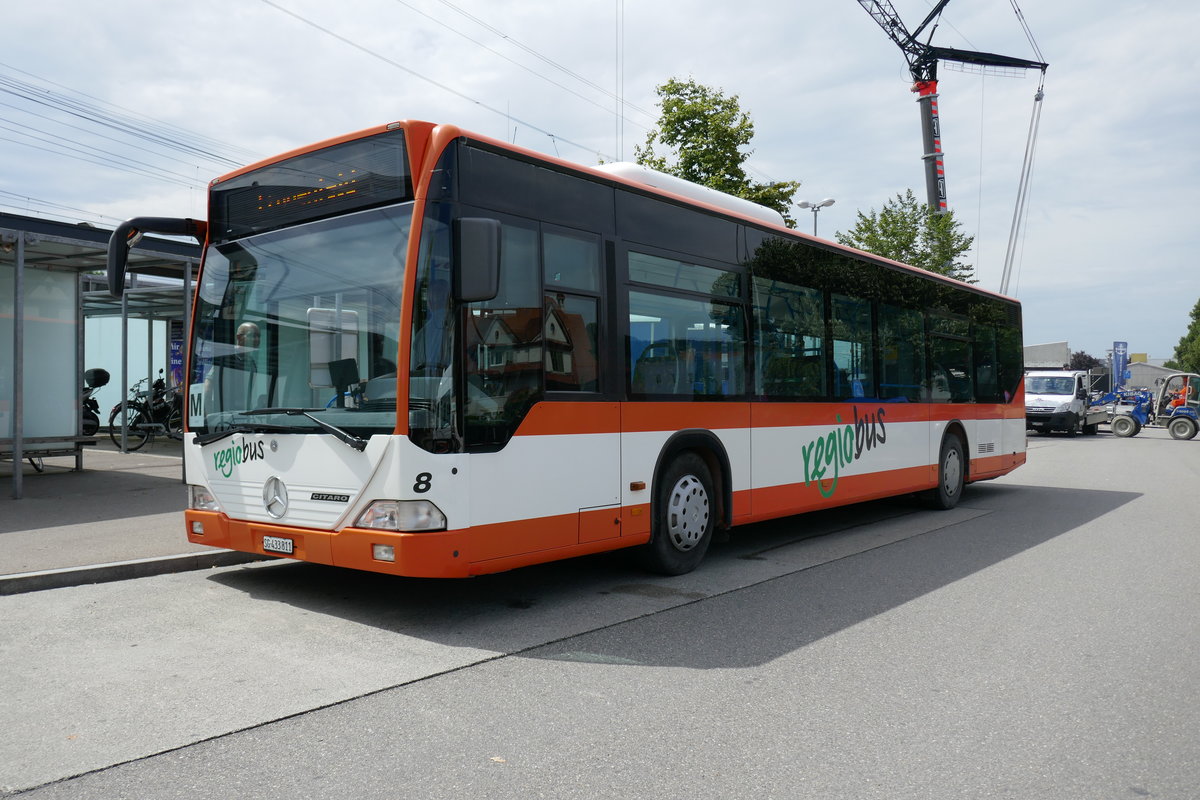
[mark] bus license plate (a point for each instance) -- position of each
(278, 544)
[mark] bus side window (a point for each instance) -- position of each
(901, 353)
(790, 325)
(987, 373)
(950, 350)
(503, 344)
(853, 351)
(571, 260)
(685, 346)
(572, 352)
(571, 267)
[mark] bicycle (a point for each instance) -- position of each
(158, 410)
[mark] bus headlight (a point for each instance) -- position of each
(402, 515)
(201, 499)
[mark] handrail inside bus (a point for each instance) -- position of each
(129, 232)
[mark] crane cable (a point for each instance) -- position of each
(1021, 211)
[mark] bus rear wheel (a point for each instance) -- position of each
(952, 473)
(682, 526)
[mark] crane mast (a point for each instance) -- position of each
(923, 61)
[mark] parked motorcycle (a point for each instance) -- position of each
(93, 380)
(149, 412)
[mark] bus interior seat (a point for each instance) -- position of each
(787, 375)
(657, 369)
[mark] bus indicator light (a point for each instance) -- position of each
(383, 552)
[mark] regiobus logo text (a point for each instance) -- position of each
(826, 456)
(227, 458)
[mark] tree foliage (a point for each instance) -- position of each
(1084, 360)
(1187, 352)
(908, 231)
(710, 135)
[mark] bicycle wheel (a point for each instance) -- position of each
(136, 436)
(175, 423)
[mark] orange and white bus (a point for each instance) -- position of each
(424, 352)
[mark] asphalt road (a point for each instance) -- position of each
(1039, 641)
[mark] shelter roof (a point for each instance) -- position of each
(82, 247)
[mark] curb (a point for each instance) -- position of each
(23, 582)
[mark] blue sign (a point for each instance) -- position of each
(1120, 363)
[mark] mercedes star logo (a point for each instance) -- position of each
(275, 498)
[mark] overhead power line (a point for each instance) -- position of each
(21, 202)
(137, 126)
(545, 59)
(42, 116)
(96, 155)
(516, 63)
(554, 138)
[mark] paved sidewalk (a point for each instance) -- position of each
(121, 517)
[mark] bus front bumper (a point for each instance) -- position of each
(417, 555)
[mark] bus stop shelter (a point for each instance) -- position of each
(44, 297)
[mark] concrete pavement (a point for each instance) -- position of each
(121, 517)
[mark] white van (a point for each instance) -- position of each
(1057, 400)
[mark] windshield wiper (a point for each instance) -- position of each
(356, 442)
(246, 427)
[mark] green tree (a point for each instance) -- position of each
(908, 231)
(1084, 360)
(709, 135)
(1187, 352)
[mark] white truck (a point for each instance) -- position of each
(1058, 400)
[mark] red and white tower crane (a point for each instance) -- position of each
(923, 61)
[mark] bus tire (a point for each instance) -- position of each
(1124, 426)
(952, 472)
(1183, 428)
(684, 517)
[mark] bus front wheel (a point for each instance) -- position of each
(952, 471)
(682, 527)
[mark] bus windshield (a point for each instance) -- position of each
(304, 319)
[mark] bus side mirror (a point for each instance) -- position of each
(130, 232)
(476, 259)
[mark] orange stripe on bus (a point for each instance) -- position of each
(565, 418)
(559, 419)
(668, 416)
(772, 502)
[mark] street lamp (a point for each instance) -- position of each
(828, 201)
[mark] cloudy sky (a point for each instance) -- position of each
(129, 107)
